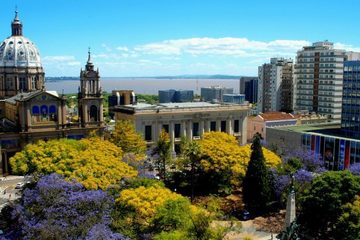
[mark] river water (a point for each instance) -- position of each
(145, 85)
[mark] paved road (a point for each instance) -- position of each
(7, 189)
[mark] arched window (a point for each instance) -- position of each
(52, 113)
(52, 109)
(44, 110)
(35, 110)
(93, 113)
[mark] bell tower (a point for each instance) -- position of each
(90, 99)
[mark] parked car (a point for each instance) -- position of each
(19, 185)
(242, 215)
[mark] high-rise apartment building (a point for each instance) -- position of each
(350, 118)
(249, 87)
(319, 79)
(275, 88)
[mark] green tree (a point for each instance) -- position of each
(172, 215)
(163, 153)
(190, 158)
(258, 191)
(321, 206)
(348, 225)
(126, 137)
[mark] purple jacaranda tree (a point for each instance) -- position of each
(310, 160)
(355, 168)
(57, 209)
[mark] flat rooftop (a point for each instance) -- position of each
(324, 129)
(192, 106)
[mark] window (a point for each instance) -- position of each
(196, 129)
(236, 126)
(93, 113)
(177, 130)
(148, 133)
(223, 126)
(213, 126)
(165, 127)
(35, 110)
(23, 84)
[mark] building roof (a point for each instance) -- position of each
(275, 116)
(28, 95)
(324, 129)
(181, 106)
(19, 51)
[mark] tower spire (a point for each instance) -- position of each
(89, 56)
(16, 25)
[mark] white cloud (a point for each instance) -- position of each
(122, 48)
(347, 47)
(237, 47)
(61, 60)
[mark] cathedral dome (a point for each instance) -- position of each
(17, 50)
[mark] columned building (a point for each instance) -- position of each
(188, 120)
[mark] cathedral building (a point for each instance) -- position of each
(29, 112)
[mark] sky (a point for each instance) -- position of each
(177, 37)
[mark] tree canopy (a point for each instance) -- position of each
(126, 137)
(325, 206)
(258, 190)
(93, 162)
(221, 153)
(57, 209)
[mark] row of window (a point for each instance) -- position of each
(195, 129)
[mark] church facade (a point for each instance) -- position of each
(29, 112)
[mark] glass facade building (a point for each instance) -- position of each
(338, 153)
(350, 118)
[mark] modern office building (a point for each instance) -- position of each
(188, 120)
(336, 150)
(234, 98)
(275, 90)
(319, 79)
(249, 87)
(28, 112)
(215, 93)
(350, 118)
(172, 95)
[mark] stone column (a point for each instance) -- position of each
(172, 135)
(229, 128)
(207, 125)
(85, 113)
(101, 113)
(183, 128)
(243, 129)
(218, 125)
(201, 128)
(189, 130)
(159, 128)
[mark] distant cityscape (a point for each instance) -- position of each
(274, 154)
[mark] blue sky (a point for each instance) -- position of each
(168, 37)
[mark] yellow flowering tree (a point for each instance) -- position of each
(126, 137)
(144, 201)
(222, 155)
(93, 162)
